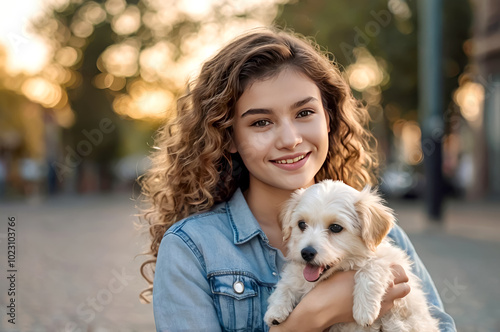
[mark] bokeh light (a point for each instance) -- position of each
(42, 91)
(163, 64)
(92, 12)
(411, 136)
(115, 7)
(365, 72)
(154, 61)
(81, 28)
(121, 59)
(399, 8)
(67, 56)
(144, 100)
(470, 97)
(408, 141)
(127, 22)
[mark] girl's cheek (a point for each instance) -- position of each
(254, 144)
(263, 139)
(248, 151)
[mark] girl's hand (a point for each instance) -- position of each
(397, 290)
(331, 302)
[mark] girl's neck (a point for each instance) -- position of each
(266, 203)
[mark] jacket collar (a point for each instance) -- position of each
(243, 222)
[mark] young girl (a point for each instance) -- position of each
(267, 115)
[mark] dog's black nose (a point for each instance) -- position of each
(308, 253)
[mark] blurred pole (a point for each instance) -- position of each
(487, 56)
(492, 132)
(430, 101)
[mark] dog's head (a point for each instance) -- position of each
(330, 223)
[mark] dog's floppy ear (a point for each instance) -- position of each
(287, 211)
(376, 219)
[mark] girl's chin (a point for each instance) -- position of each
(282, 182)
(294, 185)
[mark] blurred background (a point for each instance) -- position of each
(85, 84)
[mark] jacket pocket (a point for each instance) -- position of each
(237, 302)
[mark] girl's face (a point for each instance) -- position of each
(281, 131)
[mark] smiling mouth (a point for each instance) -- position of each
(290, 161)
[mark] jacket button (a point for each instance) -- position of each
(238, 287)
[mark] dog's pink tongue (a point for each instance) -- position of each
(312, 272)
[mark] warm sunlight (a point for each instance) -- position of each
(144, 101)
(365, 72)
(25, 51)
(44, 92)
(157, 71)
(470, 98)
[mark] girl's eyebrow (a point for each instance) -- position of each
(303, 102)
(297, 104)
(256, 111)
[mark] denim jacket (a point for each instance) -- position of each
(216, 270)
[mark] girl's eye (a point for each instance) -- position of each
(335, 228)
(302, 225)
(261, 123)
(304, 113)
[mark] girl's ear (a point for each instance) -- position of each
(287, 212)
(327, 115)
(375, 218)
(232, 146)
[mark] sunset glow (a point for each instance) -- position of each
(151, 75)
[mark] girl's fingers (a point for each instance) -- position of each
(399, 288)
(394, 292)
(399, 274)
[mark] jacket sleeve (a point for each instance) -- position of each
(446, 323)
(182, 299)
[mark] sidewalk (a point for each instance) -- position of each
(478, 220)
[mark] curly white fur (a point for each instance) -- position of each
(360, 245)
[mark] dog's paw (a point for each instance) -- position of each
(364, 317)
(276, 315)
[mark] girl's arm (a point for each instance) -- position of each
(181, 293)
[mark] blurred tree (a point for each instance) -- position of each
(115, 61)
(18, 140)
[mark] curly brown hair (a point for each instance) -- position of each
(192, 168)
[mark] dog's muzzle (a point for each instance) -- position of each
(308, 253)
(312, 272)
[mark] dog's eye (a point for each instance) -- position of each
(302, 225)
(335, 228)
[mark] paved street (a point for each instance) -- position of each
(463, 258)
(76, 266)
(77, 272)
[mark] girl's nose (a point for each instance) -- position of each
(289, 136)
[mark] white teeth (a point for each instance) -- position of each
(290, 161)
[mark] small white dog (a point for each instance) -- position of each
(331, 227)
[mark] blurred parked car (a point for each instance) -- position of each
(401, 181)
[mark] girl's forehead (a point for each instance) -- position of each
(283, 89)
(284, 73)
